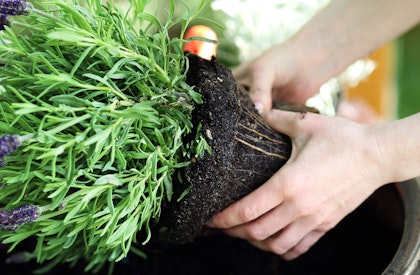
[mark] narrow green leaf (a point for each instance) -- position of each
(70, 100)
(108, 179)
(78, 38)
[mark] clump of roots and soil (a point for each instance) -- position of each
(245, 152)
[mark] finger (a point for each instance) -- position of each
(303, 246)
(288, 237)
(252, 206)
(262, 81)
(292, 241)
(265, 226)
(287, 122)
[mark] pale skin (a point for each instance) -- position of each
(336, 163)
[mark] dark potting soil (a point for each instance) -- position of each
(245, 153)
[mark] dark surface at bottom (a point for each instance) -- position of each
(363, 243)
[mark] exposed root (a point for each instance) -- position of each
(260, 149)
(259, 141)
(262, 135)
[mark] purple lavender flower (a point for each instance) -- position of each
(9, 144)
(12, 7)
(15, 218)
(3, 21)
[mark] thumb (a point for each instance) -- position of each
(283, 121)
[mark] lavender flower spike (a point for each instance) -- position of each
(9, 144)
(15, 218)
(12, 7)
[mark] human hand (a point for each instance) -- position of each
(334, 166)
(280, 73)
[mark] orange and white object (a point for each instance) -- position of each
(203, 49)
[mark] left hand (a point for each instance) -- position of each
(333, 168)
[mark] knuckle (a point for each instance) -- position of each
(278, 248)
(247, 214)
(300, 249)
(306, 210)
(289, 189)
(326, 226)
(255, 233)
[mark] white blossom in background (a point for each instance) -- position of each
(256, 25)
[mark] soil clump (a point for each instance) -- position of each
(245, 152)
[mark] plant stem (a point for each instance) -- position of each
(127, 53)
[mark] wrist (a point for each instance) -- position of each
(397, 144)
(381, 162)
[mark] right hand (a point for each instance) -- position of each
(334, 166)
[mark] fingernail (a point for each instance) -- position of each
(259, 107)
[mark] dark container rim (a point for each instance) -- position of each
(407, 258)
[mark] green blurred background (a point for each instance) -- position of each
(408, 72)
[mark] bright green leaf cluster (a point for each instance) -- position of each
(99, 92)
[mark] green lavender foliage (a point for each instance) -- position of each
(99, 92)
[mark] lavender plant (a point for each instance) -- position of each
(93, 108)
